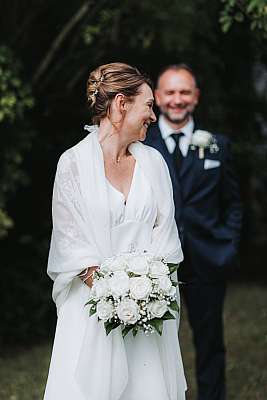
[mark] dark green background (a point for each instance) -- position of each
(232, 74)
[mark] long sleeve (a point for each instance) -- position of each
(71, 248)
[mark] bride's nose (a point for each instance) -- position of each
(153, 117)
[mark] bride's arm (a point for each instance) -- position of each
(72, 247)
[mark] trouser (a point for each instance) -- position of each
(204, 303)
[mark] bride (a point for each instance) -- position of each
(112, 194)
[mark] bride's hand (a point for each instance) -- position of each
(87, 276)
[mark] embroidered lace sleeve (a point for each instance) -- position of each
(72, 247)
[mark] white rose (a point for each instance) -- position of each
(201, 138)
(104, 310)
(157, 308)
(119, 283)
(114, 264)
(165, 284)
(100, 288)
(104, 267)
(128, 311)
(140, 287)
(138, 265)
(158, 268)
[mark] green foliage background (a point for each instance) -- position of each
(47, 49)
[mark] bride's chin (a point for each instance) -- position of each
(142, 136)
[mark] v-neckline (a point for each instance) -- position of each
(125, 200)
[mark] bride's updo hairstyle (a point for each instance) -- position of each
(106, 81)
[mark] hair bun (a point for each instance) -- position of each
(93, 85)
(108, 80)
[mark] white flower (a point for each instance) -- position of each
(128, 311)
(119, 283)
(114, 264)
(201, 138)
(100, 288)
(157, 308)
(157, 269)
(140, 287)
(138, 265)
(173, 291)
(104, 310)
(165, 284)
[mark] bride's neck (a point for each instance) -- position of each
(111, 141)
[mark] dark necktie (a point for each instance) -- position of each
(177, 155)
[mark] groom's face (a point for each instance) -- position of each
(176, 96)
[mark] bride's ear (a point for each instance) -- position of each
(117, 110)
(120, 104)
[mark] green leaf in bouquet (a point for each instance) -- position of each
(133, 275)
(110, 325)
(157, 323)
(92, 301)
(174, 306)
(174, 283)
(172, 267)
(92, 311)
(126, 330)
(168, 315)
(135, 330)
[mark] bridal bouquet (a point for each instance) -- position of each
(134, 290)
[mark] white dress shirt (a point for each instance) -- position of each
(167, 131)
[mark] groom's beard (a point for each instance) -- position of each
(177, 120)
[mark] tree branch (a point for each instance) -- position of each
(59, 40)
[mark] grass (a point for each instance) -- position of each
(245, 319)
(23, 373)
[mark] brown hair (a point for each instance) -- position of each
(177, 67)
(108, 80)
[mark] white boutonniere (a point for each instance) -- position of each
(203, 140)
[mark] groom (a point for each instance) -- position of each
(208, 215)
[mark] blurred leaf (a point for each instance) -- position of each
(172, 267)
(253, 10)
(157, 324)
(168, 315)
(126, 330)
(92, 310)
(5, 223)
(174, 306)
(15, 100)
(109, 326)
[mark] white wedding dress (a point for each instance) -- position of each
(153, 367)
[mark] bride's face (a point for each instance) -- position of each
(139, 115)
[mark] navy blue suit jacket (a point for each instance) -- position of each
(208, 207)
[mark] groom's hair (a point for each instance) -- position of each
(177, 67)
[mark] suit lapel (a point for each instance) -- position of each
(190, 158)
(191, 171)
(155, 140)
